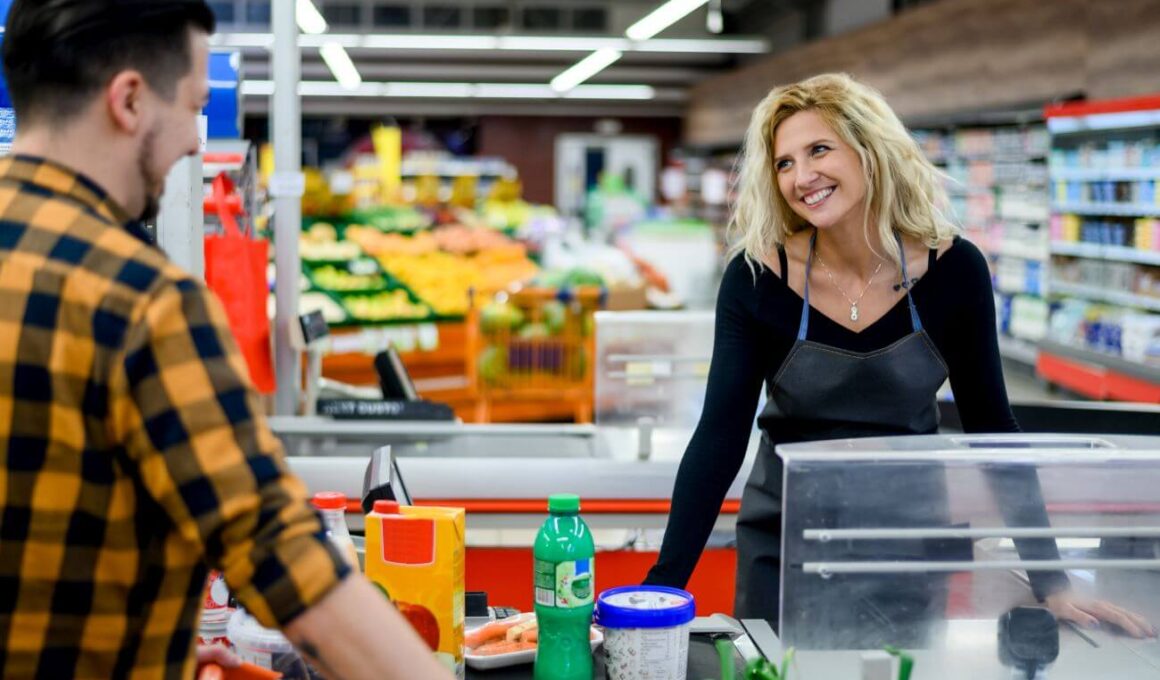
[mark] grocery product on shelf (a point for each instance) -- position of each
(997, 181)
(1105, 265)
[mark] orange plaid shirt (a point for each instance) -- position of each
(133, 451)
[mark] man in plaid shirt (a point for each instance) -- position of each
(133, 451)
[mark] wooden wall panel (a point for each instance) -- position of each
(959, 56)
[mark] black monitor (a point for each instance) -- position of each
(394, 380)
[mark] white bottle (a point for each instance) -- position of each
(332, 506)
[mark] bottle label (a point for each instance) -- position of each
(566, 585)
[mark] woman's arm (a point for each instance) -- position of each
(976, 372)
(717, 449)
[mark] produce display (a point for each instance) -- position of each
(430, 259)
(440, 279)
(348, 278)
(392, 218)
(327, 251)
(388, 306)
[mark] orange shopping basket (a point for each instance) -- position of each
(535, 344)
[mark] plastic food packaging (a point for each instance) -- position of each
(267, 648)
(215, 613)
(332, 506)
(646, 632)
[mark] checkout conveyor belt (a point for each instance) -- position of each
(747, 637)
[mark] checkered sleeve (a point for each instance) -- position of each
(184, 408)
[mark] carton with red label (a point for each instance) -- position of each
(416, 556)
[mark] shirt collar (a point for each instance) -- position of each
(70, 184)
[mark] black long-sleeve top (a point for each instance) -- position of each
(756, 326)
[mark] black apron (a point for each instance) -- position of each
(823, 392)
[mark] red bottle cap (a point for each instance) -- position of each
(386, 507)
(329, 500)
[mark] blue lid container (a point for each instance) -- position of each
(644, 607)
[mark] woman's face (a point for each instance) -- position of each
(819, 176)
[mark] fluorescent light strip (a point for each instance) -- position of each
(585, 69)
(527, 43)
(661, 18)
(310, 20)
(340, 64)
(314, 88)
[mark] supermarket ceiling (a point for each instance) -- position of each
(478, 57)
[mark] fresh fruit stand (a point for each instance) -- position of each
(398, 276)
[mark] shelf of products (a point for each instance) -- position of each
(1099, 251)
(1104, 331)
(1108, 208)
(998, 180)
(1106, 295)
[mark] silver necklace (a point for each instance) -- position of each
(853, 303)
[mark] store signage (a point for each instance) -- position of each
(224, 109)
(7, 115)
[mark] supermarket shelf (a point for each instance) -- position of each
(1097, 374)
(1017, 349)
(1102, 252)
(1126, 209)
(1022, 251)
(1104, 174)
(999, 157)
(1114, 297)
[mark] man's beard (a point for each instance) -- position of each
(153, 187)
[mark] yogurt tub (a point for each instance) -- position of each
(646, 632)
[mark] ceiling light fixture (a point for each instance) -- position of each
(340, 64)
(310, 20)
(661, 18)
(585, 69)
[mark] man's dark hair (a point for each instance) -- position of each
(59, 53)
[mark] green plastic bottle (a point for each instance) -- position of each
(565, 582)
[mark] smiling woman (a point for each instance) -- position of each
(856, 346)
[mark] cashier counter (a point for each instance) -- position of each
(1102, 494)
(630, 470)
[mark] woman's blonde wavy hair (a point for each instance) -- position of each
(904, 191)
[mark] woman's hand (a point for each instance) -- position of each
(1067, 606)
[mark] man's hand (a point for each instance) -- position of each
(1067, 606)
(217, 654)
(354, 633)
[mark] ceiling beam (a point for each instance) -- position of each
(655, 75)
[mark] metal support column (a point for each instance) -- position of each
(286, 187)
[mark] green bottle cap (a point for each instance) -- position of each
(564, 502)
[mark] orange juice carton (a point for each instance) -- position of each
(416, 556)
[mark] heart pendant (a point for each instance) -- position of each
(854, 313)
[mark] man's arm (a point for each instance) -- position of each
(354, 633)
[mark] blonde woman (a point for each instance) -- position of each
(851, 298)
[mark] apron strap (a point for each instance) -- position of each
(804, 324)
(915, 322)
